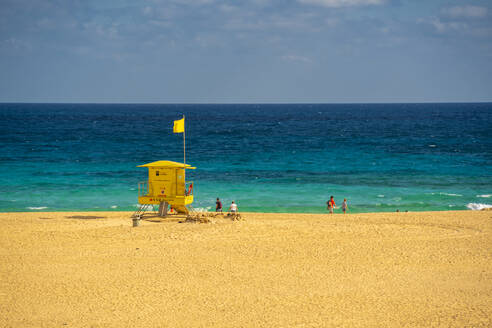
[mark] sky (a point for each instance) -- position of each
(251, 51)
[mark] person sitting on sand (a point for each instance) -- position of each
(344, 205)
(233, 207)
(331, 205)
(218, 205)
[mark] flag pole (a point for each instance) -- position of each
(184, 142)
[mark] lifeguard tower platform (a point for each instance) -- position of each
(166, 186)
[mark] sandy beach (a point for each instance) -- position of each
(426, 269)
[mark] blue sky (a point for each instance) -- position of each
(256, 51)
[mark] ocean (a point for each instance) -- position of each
(265, 157)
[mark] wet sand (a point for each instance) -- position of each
(270, 270)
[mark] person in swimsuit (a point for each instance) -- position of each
(344, 205)
(331, 204)
(233, 207)
(218, 205)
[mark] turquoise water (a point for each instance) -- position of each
(269, 158)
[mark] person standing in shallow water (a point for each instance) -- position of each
(218, 205)
(331, 205)
(233, 207)
(344, 205)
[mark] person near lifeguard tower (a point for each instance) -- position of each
(344, 205)
(218, 205)
(331, 205)
(189, 191)
(233, 207)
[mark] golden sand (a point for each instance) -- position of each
(270, 270)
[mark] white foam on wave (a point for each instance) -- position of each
(381, 196)
(484, 196)
(477, 206)
(114, 206)
(445, 194)
(202, 209)
(37, 208)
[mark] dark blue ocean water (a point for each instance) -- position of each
(272, 158)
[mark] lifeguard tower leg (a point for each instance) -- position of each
(181, 209)
(163, 209)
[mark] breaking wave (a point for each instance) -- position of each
(477, 206)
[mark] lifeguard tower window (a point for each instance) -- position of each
(157, 173)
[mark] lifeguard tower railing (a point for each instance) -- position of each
(145, 189)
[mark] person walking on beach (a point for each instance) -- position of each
(344, 205)
(331, 204)
(233, 207)
(218, 205)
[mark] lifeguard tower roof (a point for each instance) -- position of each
(168, 164)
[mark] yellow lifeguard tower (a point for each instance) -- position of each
(166, 186)
(167, 183)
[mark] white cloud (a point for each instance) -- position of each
(194, 2)
(342, 3)
(147, 10)
(296, 58)
(15, 45)
(457, 27)
(227, 8)
(248, 22)
(160, 23)
(46, 23)
(443, 27)
(466, 12)
(332, 22)
(110, 31)
(261, 2)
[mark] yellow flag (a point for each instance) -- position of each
(179, 126)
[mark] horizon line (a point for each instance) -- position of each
(246, 103)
